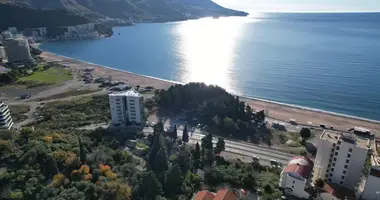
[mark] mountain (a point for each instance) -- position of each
(150, 10)
(24, 17)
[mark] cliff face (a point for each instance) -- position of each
(155, 10)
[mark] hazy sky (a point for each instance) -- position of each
(302, 5)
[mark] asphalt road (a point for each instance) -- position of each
(239, 148)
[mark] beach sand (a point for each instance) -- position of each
(275, 110)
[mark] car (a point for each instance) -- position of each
(25, 96)
(255, 158)
(274, 162)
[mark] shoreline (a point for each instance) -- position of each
(277, 110)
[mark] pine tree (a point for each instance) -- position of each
(174, 181)
(175, 134)
(183, 160)
(197, 156)
(185, 135)
(157, 145)
(160, 161)
(82, 153)
(207, 142)
(149, 187)
(220, 146)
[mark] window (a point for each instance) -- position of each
(294, 182)
(343, 177)
(330, 160)
(336, 153)
(350, 150)
(332, 169)
(333, 144)
(345, 166)
(339, 142)
(334, 159)
(328, 165)
(292, 186)
(331, 155)
(347, 161)
(341, 182)
(344, 171)
(326, 175)
(333, 164)
(331, 174)
(329, 179)
(348, 155)
(337, 148)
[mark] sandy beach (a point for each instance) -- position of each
(275, 110)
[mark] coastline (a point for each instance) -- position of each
(277, 110)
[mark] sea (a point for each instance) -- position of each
(325, 61)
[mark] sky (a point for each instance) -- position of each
(302, 5)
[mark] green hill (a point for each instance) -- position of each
(155, 10)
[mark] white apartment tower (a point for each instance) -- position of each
(340, 158)
(5, 117)
(127, 107)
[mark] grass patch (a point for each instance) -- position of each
(69, 94)
(142, 145)
(18, 112)
(49, 76)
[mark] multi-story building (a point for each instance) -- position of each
(5, 117)
(340, 158)
(296, 176)
(127, 107)
(371, 189)
(17, 50)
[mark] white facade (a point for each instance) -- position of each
(17, 50)
(126, 107)
(296, 177)
(3, 56)
(81, 31)
(340, 158)
(5, 117)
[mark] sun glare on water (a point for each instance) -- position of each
(207, 50)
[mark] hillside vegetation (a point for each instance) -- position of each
(155, 10)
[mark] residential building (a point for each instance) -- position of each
(127, 107)
(296, 176)
(340, 158)
(223, 194)
(81, 31)
(17, 50)
(3, 56)
(5, 117)
(371, 189)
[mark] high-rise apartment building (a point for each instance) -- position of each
(5, 117)
(127, 107)
(340, 158)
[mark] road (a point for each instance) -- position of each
(238, 148)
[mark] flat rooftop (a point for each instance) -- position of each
(129, 93)
(335, 136)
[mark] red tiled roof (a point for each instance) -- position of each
(204, 195)
(225, 194)
(301, 166)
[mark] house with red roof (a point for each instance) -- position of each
(223, 194)
(296, 176)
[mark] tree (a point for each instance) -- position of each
(209, 157)
(82, 153)
(230, 125)
(175, 134)
(185, 135)
(319, 183)
(159, 127)
(160, 161)
(156, 146)
(149, 187)
(220, 146)
(207, 142)
(197, 156)
(173, 182)
(183, 160)
(305, 133)
(260, 116)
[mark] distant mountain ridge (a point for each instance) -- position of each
(153, 10)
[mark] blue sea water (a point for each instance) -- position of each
(322, 61)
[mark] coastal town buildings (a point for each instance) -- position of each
(127, 107)
(5, 117)
(3, 55)
(296, 177)
(17, 50)
(371, 189)
(81, 31)
(340, 158)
